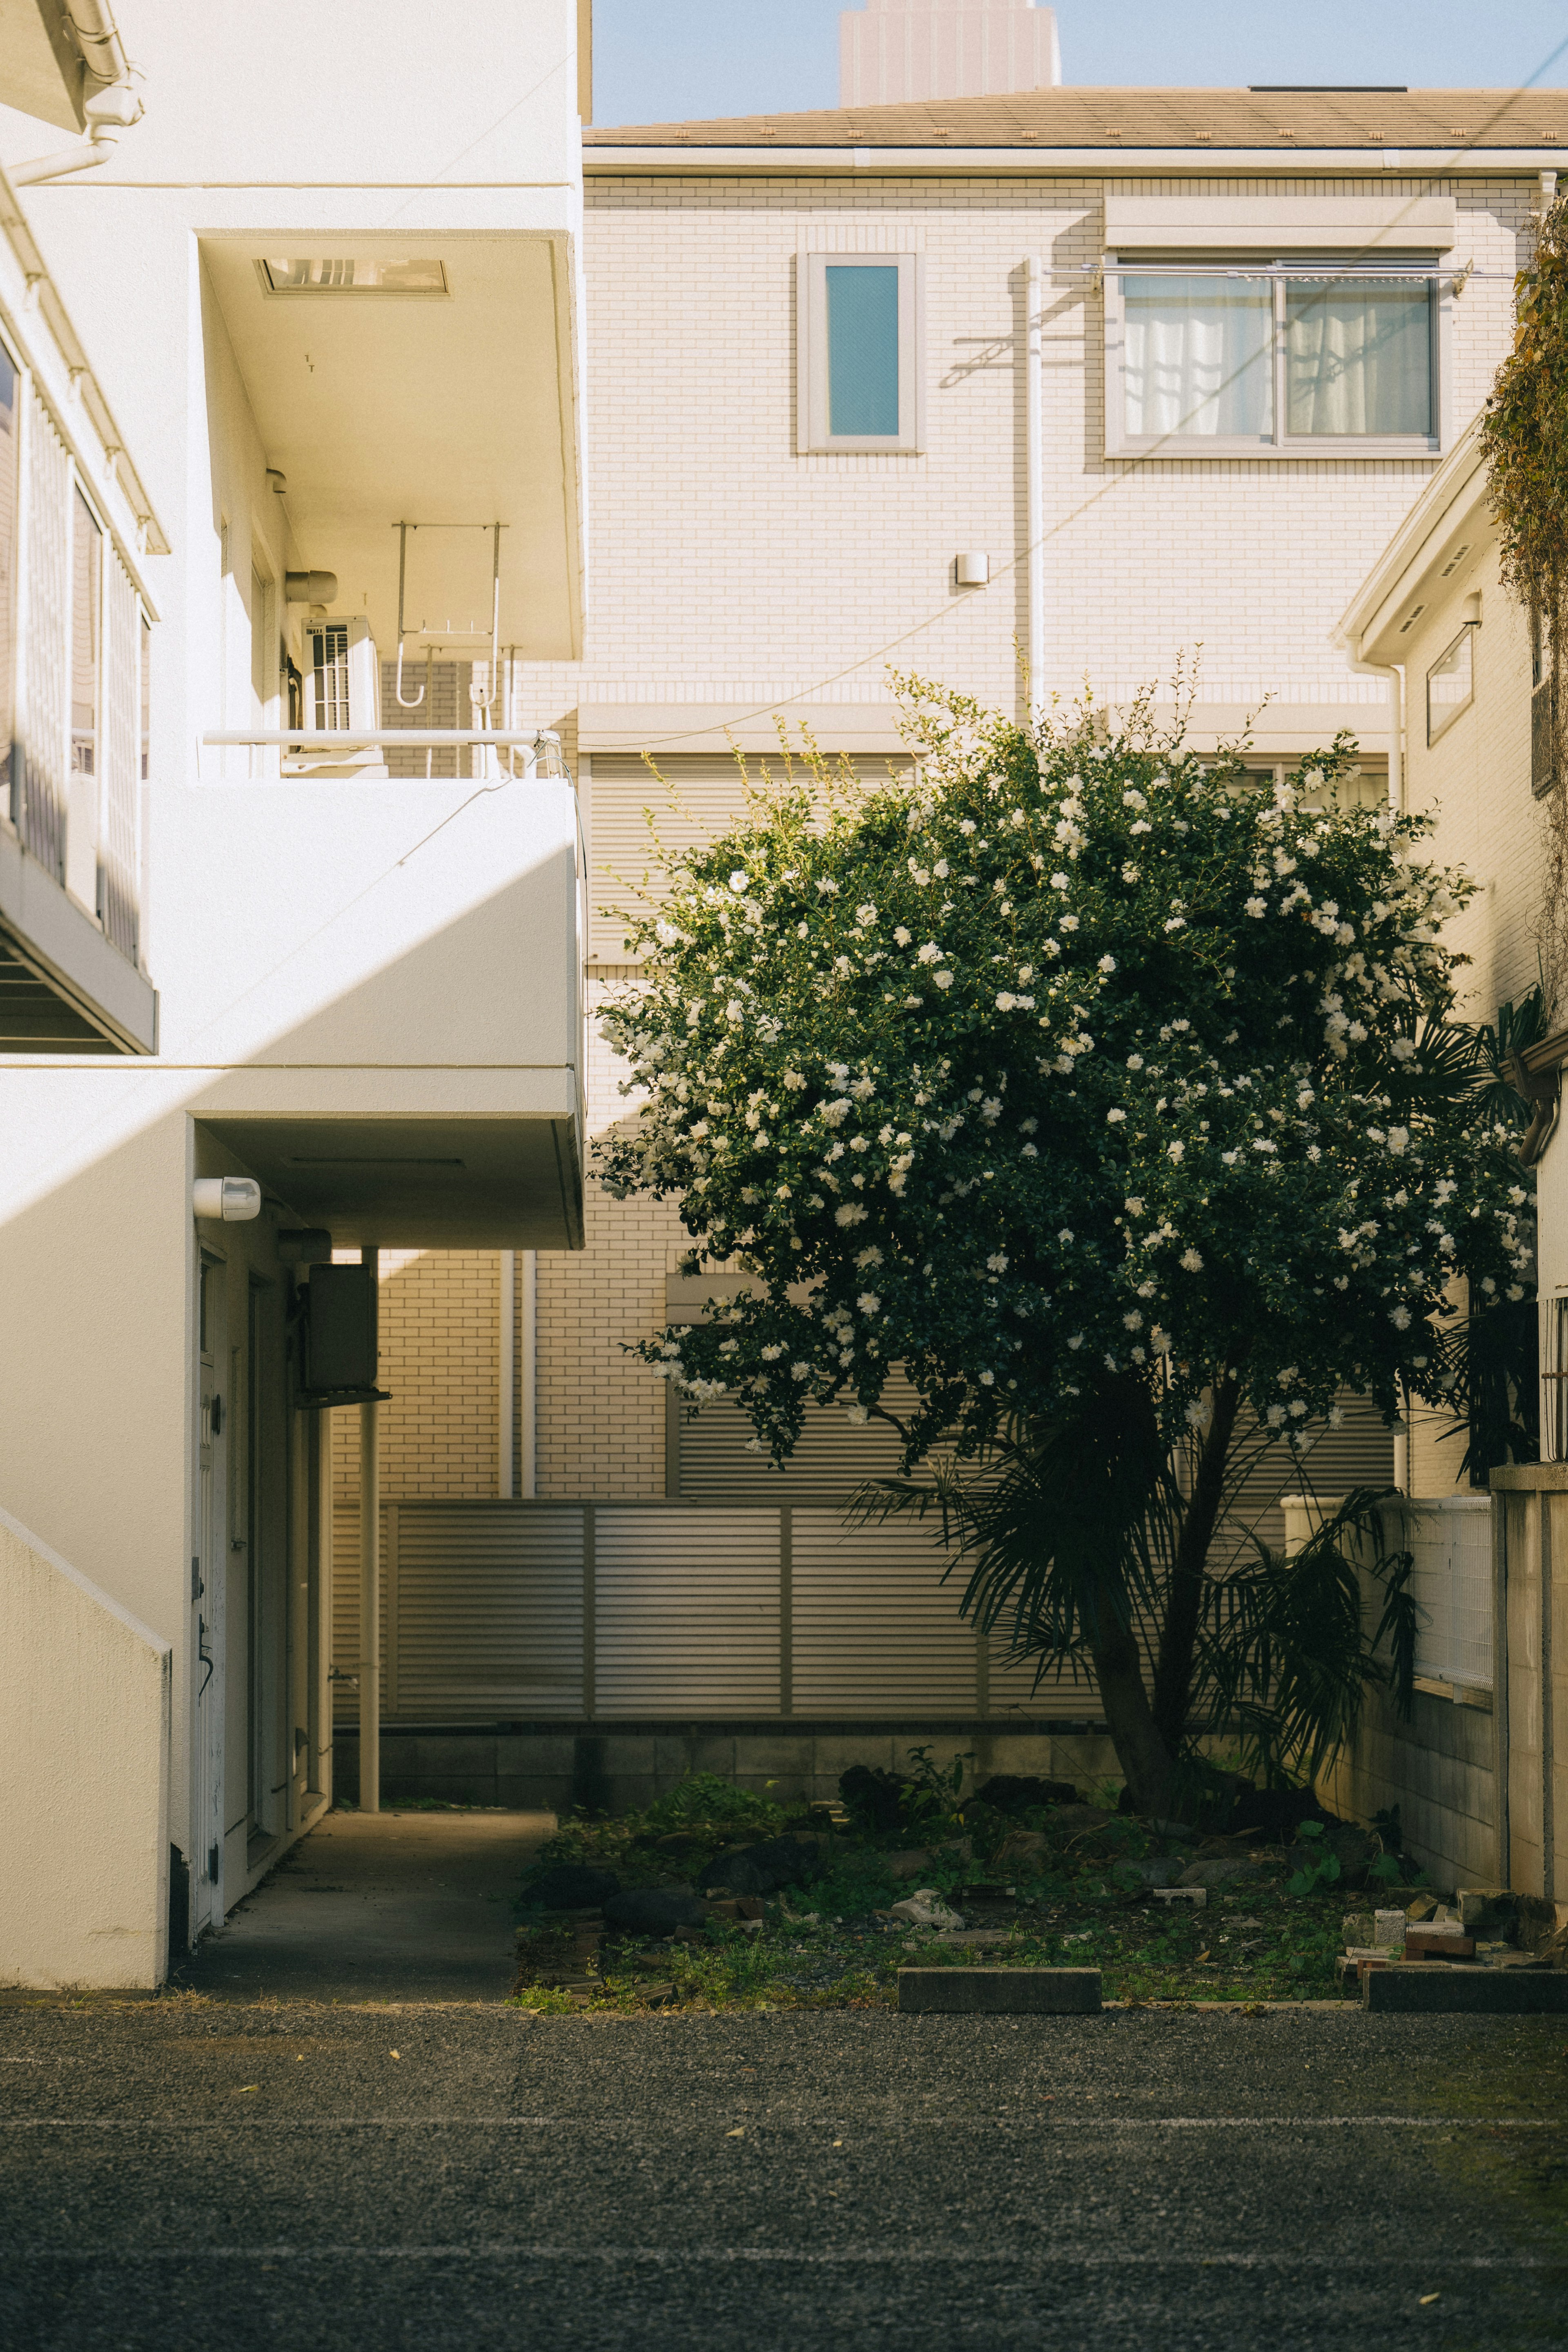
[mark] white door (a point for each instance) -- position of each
(209, 1570)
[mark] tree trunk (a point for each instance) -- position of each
(1145, 1759)
(1179, 1634)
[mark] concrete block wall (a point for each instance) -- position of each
(610, 1768)
(1437, 1768)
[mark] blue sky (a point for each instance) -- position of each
(664, 60)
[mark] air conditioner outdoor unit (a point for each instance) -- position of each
(343, 696)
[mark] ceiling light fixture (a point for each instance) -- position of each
(353, 276)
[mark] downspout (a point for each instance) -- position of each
(529, 1371)
(1395, 674)
(507, 1373)
(369, 1590)
(1035, 484)
(113, 105)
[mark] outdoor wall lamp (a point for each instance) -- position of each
(234, 1200)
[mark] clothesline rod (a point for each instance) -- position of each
(1359, 272)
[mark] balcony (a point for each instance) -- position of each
(378, 978)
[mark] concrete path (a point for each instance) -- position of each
(378, 1907)
(472, 2180)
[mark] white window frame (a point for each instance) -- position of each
(1439, 722)
(1278, 445)
(812, 435)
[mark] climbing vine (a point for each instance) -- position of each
(1524, 437)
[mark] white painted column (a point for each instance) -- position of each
(370, 1593)
(508, 1404)
(529, 1373)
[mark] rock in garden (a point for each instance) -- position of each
(907, 1866)
(926, 1908)
(570, 1886)
(874, 1796)
(1214, 1872)
(762, 1869)
(1081, 1817)
(1016, 1792)
(1019, 1848)
(655, 1910)
(1155, 1870)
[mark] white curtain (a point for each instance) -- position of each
(1358, 358)
(1199, 356)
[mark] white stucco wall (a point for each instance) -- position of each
(84, 1816)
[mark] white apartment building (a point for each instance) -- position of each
(894, 50)
(1027, 393)
(291, 390)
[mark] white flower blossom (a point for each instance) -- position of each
(849, 1213)
(1191, 1262)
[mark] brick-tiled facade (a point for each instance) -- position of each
(730, 571)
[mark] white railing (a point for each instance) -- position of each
(303, 751)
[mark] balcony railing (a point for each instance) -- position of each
(493, 754)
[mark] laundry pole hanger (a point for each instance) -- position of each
(404, 704)
(481, 700)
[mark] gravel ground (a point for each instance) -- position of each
(276, 2176)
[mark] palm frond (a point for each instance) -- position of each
(1286, 1654)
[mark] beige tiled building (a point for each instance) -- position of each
(1062, 390)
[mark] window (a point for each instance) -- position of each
(1258, 357)
(145, 683)
(87, 634)
(1365, 786)
(1450, 684)
(860, 331)
(1542, 709)
(10, 405)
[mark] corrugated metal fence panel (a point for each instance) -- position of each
(1451, 1583)
(876, 1631)
(489, 1611)
(833, 1454)
(345, 1610)
(686, 1611)
(699, 799)
(1012, 1689)
(1360, 1452)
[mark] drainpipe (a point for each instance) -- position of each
(529, 1368)
(507, 1373)
(369, 1590)
(113, 105)
(1034, 481)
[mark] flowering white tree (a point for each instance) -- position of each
(1112, 1098)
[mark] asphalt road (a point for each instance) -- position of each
(308, 2179)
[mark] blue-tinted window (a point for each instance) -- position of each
(863, 351)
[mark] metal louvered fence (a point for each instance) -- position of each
(604, 1611)
(736, 1600)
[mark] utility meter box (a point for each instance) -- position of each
(341, 1337)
